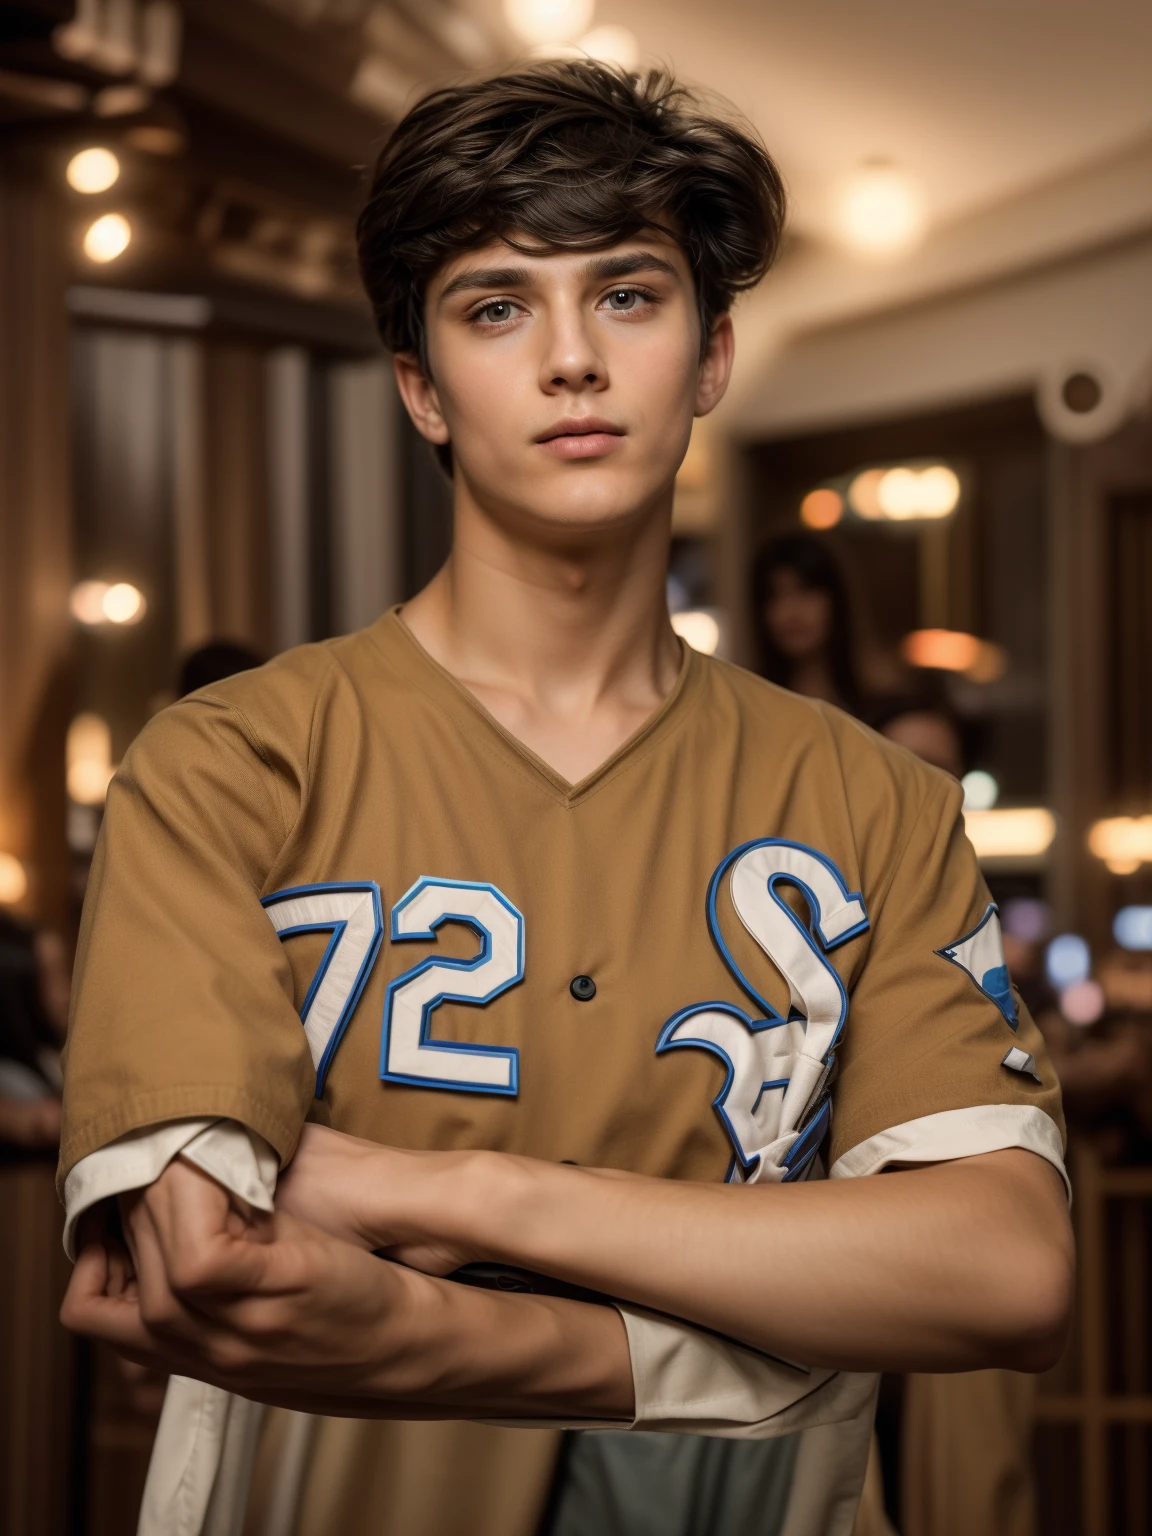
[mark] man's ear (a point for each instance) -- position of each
(715, 366)
(419, 396)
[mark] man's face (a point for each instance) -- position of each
(566, 383)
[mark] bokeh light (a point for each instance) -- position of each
(1122, 842)
(1026, 918)
(92, 170)
(1132, 928)
(881, 210)
(123, 603)
(1019, 832)
(13, 880)
(981, 791)
(107, 237)
(548, 21)
(1083, 1002)
(951, 650)
(822, 508)
(88, 759)
(1067, 960)
(611, 45)
(698, 628)
(903, 494)
(864, 494)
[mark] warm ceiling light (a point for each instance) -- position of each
(864, 493)
(905, 493)
(107, 237)
(13, 880)
(950, 650)
(548, 21)
(822, 508)
(124, 604)
(87, 601)
(1023, 832)
(939, 491)
(698, 628)
(1122, 842)
(93, 170)
(881, 210)
(97, 602)
(88, 759)
(611, 45)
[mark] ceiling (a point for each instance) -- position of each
(976, 100)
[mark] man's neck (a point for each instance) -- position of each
(565, 640)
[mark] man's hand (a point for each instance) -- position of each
(245, 1301)
(276, 1309)
(382, 1198)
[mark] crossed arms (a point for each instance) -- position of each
(954, 1266)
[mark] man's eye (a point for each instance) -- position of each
(497, 311)
(623, 298)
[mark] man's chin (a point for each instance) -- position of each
(556, 502)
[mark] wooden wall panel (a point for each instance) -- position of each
(35, 531)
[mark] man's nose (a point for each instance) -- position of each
(571, 358)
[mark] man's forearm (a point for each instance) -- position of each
(456, 1350)
(956, 1266)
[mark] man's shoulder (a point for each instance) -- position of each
(274, 711)
(881, 785)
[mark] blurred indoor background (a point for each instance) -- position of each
(928, 496)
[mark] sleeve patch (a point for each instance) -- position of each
(1020, 1061)
(981, 954)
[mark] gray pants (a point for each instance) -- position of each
(640, 1484)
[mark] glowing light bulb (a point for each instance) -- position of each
(548, 21)
(881, 210)
(88, 759)
(92, 170)
(107, 237)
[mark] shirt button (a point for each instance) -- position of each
(582, 988)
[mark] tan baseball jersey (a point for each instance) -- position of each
(754, 943)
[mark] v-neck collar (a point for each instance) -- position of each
(393, 636)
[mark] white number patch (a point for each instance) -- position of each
(352, 914)
(773, 1104)
(408, 1054)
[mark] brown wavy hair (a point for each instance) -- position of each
(566, 155)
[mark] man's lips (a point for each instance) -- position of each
(580, 437)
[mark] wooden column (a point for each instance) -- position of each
(35, 531)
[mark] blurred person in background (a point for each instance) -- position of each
(922, 721)
(34, 987)
(212, 663)
(804, 621)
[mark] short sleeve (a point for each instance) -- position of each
(939, 1058)
(183, 1001)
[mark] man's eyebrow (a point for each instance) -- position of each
(485, 277)
(600, 268)
(628, 265)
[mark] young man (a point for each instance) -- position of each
(570, 933)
